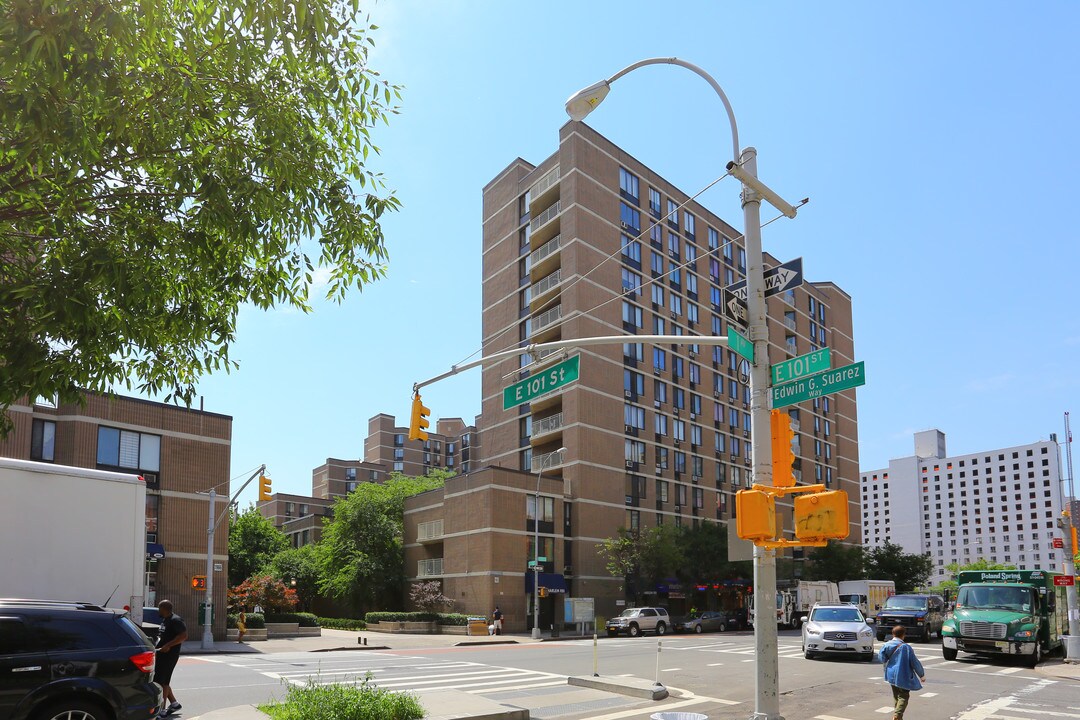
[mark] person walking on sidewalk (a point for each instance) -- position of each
(903, 671)
(497, 617)
(241, 626)
(172, 636)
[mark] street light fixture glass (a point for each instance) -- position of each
(582, 102)
(536, 541)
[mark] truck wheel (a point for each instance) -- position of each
(1036, 657)
(634, 631)
(948, 653)
(796, 623)
(73, 710)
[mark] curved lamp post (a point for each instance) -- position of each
(536, 543)
(743, 166)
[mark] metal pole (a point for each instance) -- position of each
(536, 554)
(767, 696)
(1070, 563)
(208, 631)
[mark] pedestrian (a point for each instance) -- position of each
(258, 609)
(241, 626)
(497, 615)
(172, 636)
(903, 671)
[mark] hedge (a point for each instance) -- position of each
(251, 620)
(440, 618)
(305, 619)
(342, 623)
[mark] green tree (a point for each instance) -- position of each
(300, 569)
(954, 568)
(263, 591)
(890, 562)
(835, 562)
(642, 557)
(363, 557)
(253, 543)
(166, 161)
(704, 550)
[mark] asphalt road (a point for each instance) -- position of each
(714, 674)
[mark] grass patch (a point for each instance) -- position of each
(344, 702)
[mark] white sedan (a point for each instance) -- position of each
(837, 630)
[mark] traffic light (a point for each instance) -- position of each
(265, 491)
(783, 456)
(198, 582)
(821, 516)
(755, 515)
(419, 419)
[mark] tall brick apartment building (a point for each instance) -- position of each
(590, 242)
(180, 452)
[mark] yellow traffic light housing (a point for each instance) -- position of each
(419, 419)
(541, 592)
(265, 490)
(822, 516)
(783, 456)
(755, 515)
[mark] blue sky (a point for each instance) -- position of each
(937, 141)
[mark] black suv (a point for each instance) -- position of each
(74, 661)
(921, 616)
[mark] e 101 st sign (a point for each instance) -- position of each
(551, 379)
(823, 383)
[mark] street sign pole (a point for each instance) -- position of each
(767, 681)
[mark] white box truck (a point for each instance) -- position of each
(792, 604)
(868, 595)
(73, 534)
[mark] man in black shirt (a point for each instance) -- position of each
(172, 636)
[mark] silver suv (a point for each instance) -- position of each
(635, 621)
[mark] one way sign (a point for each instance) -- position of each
(777, 280)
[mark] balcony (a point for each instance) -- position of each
(547, 461)
(545, 217)
(429, 531)
(547, 425)
(432, 567)
(545, 257)
(789, 323)
(545, 285)
(548, 183)
(545, 320)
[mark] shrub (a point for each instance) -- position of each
(428, 596)
(305, 619)
(374, 617)
(344, 702)
(264, 591)
(252, 620)
(343, 623)
(453, 619)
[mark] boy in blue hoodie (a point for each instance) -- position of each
(903, 671)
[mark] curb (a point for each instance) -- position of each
(467, 643)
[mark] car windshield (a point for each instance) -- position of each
(995, 598)
(905, 602)
(629, 613)
(831, 614)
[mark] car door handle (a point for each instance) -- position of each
(28, 668)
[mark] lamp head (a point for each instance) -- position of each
(582, 102)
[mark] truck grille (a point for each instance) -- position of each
(840, 635)
(990, 631)
(886, 621)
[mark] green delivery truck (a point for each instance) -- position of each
(1006, 612)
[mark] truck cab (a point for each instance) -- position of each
(1006, 612)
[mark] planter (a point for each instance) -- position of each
(453, 629)
(282, 630)
(310, 631)
(253, 634)
(408, 628)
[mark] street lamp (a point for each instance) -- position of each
(536, 543)
(744, 168)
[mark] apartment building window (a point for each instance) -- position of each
(654, 201)
(657, 294)
(699, 498)
(399, 453)
(43, 440)
(691, 308)
(695, 436)
(631, 315)
(630, 218)
(660, 391)
(399, 466)
(634, 451)
(628, 185)
(656, 263)
(660, 424)
(659, 359)
(631, 282)
(128, 449)
(673, 213)
(662, 490)
(631, 351)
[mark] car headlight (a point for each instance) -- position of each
(1024, 634)
(812, 629)
(868, 633)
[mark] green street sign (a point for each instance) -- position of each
(739, 344)
(544, 382)
(824, 383)
(801, 366)
(542, 559)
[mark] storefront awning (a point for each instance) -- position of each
(155, 551)
(554, 582)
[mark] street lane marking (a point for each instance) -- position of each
(883, 710)
(1009, 671)
(637, 712)
(927, 694)
(549, 683)
(828, 717)
(670, 669)
(714, 664)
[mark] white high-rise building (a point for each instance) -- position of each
(1001, 505)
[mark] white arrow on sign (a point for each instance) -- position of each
(777, 280)
(734, 308)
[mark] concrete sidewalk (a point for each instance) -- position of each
(354, 640)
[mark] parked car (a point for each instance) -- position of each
(708, 621)
(62, 661)
(921, 616)
(634, 621)
(837, 629)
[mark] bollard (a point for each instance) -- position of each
(595, 659)
(659, 643)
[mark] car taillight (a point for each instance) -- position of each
(144, 661)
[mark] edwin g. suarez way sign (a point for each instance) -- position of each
(823, 383)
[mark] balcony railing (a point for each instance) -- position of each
(546, 318)
(547, 283)
(547, 425)
(432, 530)
(546, 250)
(547, 460)
(789, 323)
(542, 219)
(545, 183)
(429, 568)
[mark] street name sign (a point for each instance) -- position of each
(739, 344)
(777, 280)
(551, 379)
(801, 366)
(1059, 543)
(1064, 580)
(823, 383)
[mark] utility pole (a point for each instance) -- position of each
(1068, 525)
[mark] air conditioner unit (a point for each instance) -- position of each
(656, 372)
(693, 416)
(674, 315)
(676, 443)
(719, 454)
(628, 393)
(629, 428)
(676, 411)
(716, 393)
(693, 354)
(630, 464)
(746, 433)
(746, 405)
(678, 508)
(658, 470)
(656, 403)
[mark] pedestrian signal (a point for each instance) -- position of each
(822, 516)
(755, 515)
(198, 582)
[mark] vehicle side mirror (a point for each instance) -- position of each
(804, 618)
(871, 621)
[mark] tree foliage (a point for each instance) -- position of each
(890, 562)
(302, 565)
(164, 162)
(363, 554)
(253, 543)
(835, 562)
(427, 596)
(704, 551)
(262, 590)
(642, 557)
